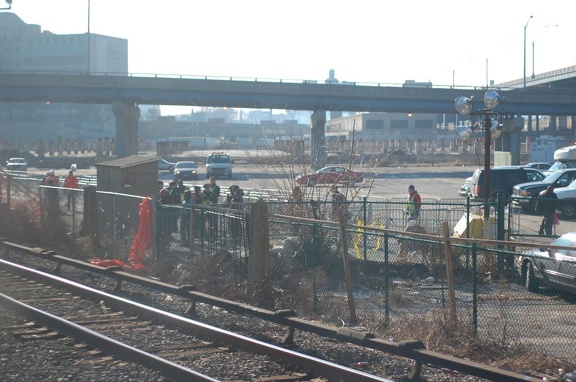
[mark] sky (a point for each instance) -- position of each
(364, 41)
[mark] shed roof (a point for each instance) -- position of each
(128, 161)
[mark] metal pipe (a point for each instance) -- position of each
(88, 43)
(487, 141)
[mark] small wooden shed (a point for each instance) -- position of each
(135, 175)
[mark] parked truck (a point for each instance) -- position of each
(543, 147)
(563, 158)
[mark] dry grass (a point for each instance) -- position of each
(438, 334)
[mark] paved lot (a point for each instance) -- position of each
(389, 182)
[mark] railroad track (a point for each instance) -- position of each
(172, 345)
(284, 322)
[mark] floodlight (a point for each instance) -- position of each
(464, 133)
(491, 99)
(496, 129)
(463, 105)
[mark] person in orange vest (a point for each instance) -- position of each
(51, 194)
(70, 182)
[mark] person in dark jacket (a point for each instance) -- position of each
(546, 205)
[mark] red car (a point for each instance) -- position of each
(331, 175)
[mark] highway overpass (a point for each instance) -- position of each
(126, 92)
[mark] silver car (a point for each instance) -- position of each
(164, 165)
(550, 267)
(17, 164)
(465, 188)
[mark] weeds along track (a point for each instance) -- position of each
(174, 346)
(255, 345)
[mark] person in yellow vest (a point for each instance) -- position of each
(414, 203)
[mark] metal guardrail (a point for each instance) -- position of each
(244, 79)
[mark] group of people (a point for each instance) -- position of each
(52, 193)
(177, 194)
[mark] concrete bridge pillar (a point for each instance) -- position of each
(553, 125)
(317, 138)
(127, 116)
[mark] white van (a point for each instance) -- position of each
(219, 164)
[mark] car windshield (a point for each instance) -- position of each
(561, 165)
(562, 241)
(185, 165)
(219, 159)
(552, 177)
(573, 184)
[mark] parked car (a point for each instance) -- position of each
(567, 200)
(186, 170)
(550, 267)
(219, 164)
(542, 166)
(524, 194)
(465, 188)
(16, 164)
(331, 175)
(164, 165)
(502, 179)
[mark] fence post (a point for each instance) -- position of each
(365, 220)
(500, 228)
(315, 251)
(474, 288)
(91, 214)
(259, 286)
(347, 271)
(450, 273)
(386, 282)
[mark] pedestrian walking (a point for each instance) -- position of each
(70, 183)
(52, 195)
(339, 203)
(414, 203)
(546, 205)
(556, 222)
(209, 198)
(215, 189)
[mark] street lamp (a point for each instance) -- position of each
(525, 26)
(9, 2)
(88, 43)
(491, 129)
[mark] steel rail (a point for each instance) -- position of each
(104, 343)
(415, 350)
(332, 371)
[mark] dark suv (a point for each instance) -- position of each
(524, 194)
(502, 179)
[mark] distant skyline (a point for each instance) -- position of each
(443, 42)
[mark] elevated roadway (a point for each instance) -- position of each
(126, 92)
(269, 94)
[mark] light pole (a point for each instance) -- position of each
(491, 128)
(9, 2)
(88, 43)
(525, 26)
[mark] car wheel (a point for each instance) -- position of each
(569, 210)
(530, 279)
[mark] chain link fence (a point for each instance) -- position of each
(392, 270)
